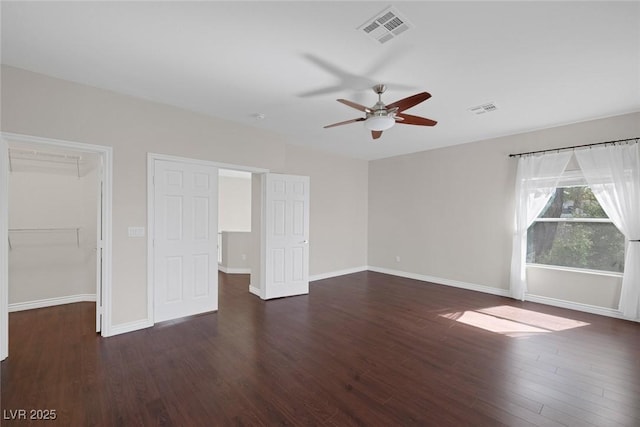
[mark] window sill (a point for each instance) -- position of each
(576, 270)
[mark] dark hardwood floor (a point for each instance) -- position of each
(363, 349)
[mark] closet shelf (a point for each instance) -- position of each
(46, 230)
(39, 156)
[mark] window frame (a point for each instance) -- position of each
(606, 220)
(575, 269)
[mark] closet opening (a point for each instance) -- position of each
(54, 227)
(57, 258)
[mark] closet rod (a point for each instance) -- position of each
(573, 147)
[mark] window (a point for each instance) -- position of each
(574, 231)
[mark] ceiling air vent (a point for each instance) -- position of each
(484, 108)
(385, 26)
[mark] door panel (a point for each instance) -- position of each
(185, 236)
(173, 279)
(286, 199)
(201, 264)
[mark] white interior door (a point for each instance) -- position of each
(185, 239)
(286, 234)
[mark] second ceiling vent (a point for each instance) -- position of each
(386, 25)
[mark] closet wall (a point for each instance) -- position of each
(53, 221)
(234, 197)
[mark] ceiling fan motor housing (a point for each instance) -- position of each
(378, 110)
(378, 117)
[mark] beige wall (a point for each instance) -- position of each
(45, 264)
(236, 251)
(591, 288)
(339, 208)
(448, 213)
(234, 204)
(38, 105)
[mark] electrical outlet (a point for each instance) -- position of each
(397, 258)
(244, 257)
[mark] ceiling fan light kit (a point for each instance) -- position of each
(381, 117)
(379, 122)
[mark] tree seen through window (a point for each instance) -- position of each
(574, 231)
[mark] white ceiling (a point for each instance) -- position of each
(542, 63)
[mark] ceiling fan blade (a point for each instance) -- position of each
(408, 119)
(376, 134)
(346, 122)
(355, 105)
(410, 101)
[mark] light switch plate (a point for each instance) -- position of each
(135, 231)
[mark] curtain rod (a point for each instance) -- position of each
(636, 139)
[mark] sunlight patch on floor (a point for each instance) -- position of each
(513, 321)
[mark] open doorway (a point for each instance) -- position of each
(183, 226)
(234, 221)
(182, 209)
(56, 208)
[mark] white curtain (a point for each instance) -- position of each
(613, 173)
(536, 181)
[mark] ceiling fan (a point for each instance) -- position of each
(381, 117)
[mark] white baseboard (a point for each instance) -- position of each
(338, 273)
(124, 328)
(50, 302)
(254, 290)
(602, 311)
(233, 270)
(441, 281)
